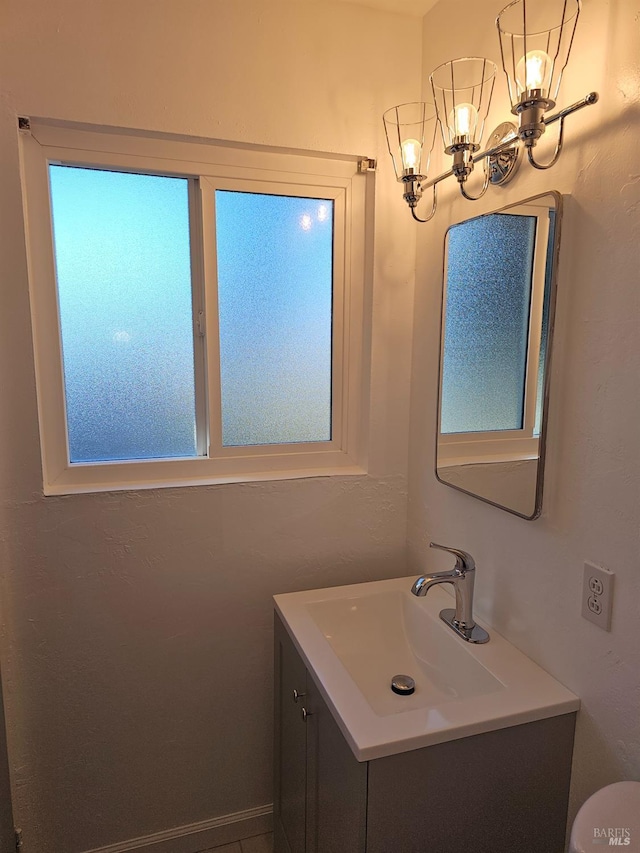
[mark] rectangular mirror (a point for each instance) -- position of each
(497, 321)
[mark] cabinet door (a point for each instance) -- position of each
(336, 784)
(497, 792)
(290, 746)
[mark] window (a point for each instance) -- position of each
(487, 328)
(197, 310)
(494, 345)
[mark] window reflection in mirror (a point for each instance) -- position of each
(497, 316)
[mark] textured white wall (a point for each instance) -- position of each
(137, 626)
(124, 615)
(530, 573)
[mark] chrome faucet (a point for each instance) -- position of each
(462, 576)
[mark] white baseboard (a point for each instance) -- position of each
(199, 836)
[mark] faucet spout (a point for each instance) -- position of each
(462, 577)
(424, 583)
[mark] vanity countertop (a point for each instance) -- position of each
(355, 638)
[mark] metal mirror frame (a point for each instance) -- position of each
(553, 286)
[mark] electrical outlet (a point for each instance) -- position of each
(597, 595)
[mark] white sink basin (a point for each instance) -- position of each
(354, 639)
(377, 635)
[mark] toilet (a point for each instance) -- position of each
(611, 818)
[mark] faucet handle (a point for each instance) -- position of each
(464, 561)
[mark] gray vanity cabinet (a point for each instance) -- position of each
(498, 792)
(320, 788)
(291, 741)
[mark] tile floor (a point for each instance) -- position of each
(257, 844)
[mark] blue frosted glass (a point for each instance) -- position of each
(275, 293)
(124, 287)
(489, 276)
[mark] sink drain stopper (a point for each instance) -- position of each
(403, 685)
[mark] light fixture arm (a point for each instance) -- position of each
(490, 151)
(433, 209)
(556, 153)
(560, 116)
(485, 186)
(587, 101)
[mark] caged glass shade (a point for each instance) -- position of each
(410, 130)
(535, 43)
(462, 91)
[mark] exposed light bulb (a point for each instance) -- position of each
(534, 72)
(410, 151)
(463, 121)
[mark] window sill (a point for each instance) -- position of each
(143, 483)
(487, 459)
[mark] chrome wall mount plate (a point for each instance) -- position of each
(503, 165)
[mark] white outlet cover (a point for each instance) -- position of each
(597, 595)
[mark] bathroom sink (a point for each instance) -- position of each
(355, 639)
(382, 634)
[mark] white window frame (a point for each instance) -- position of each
(466, 448)
(210, 167)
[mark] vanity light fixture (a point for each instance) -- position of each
(410, 130)
(462, 90)
(535, 44)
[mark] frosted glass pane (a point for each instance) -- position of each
(487, 323)
(275, 293)
(124, 287)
